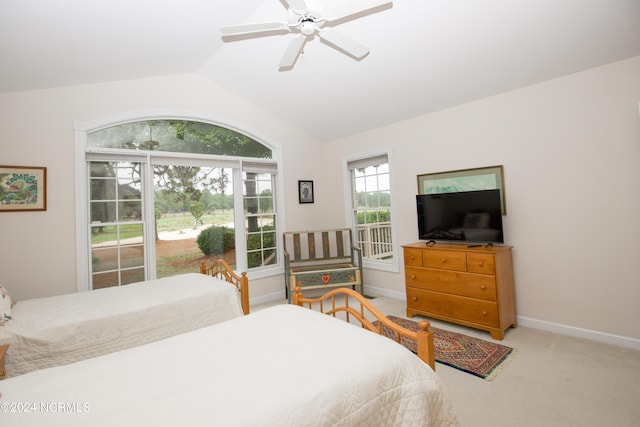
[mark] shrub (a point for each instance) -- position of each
(255, 242)
(374, 216)
(216, 240)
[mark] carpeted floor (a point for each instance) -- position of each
(555, 380)
(468, 354)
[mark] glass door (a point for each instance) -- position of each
(194, 217)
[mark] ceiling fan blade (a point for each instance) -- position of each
(236, 30)
(344, 43)
(297, 5)
(291, 54)
(351, 7)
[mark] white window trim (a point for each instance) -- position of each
(382, 265)
(82, 129)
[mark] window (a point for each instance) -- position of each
(161, 196)
(116, 226)
(371, 211)
(260, 218)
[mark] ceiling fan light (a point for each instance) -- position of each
(307, 28)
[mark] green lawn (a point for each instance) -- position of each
(168, 222)
(173, 222)
(108, 233)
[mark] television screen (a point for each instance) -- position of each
(468, 216)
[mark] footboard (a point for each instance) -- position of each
(356, 306)
(220, 269)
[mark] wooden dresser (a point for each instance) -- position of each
(471, 286)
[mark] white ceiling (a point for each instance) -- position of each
(425, 55)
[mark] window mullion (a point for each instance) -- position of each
(239, 219)
(149, 225)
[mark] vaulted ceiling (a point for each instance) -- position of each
(425, 55)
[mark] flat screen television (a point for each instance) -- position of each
(464, 217)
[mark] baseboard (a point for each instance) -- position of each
(369, 290)
(382, 292)
(263, 299)
(627, 342)
(557, 328)
(573, 331)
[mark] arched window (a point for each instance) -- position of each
(159, 196)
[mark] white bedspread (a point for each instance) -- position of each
(282, 366)
(58, 330)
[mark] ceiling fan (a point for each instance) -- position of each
(308, 22)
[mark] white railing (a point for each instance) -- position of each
(375, 240)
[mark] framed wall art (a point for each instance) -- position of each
(23, 188)
(485, 178)
(305, 191)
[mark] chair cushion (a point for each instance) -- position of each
(321, 275)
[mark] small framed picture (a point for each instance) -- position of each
(23, 188)
(305, 191)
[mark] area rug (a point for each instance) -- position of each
(468, 354)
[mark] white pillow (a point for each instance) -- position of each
(5, 305)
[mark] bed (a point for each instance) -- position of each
(354, 308)
(283, 365)
(46, 332)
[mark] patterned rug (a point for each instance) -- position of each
(472, 355)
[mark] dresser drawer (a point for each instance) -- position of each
(451, 282)
(453, 306)
(448, 260)
(482, 263)
(413, 257)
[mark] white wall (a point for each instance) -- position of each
(571, 154)
(570, 148)
(37, 250)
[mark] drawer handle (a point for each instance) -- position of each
(444, 260)
(412, 257)
(484, 313)
(480, 264)
(414, 299)
(413, 276)
(483, 287)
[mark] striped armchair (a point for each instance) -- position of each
(321, 259)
